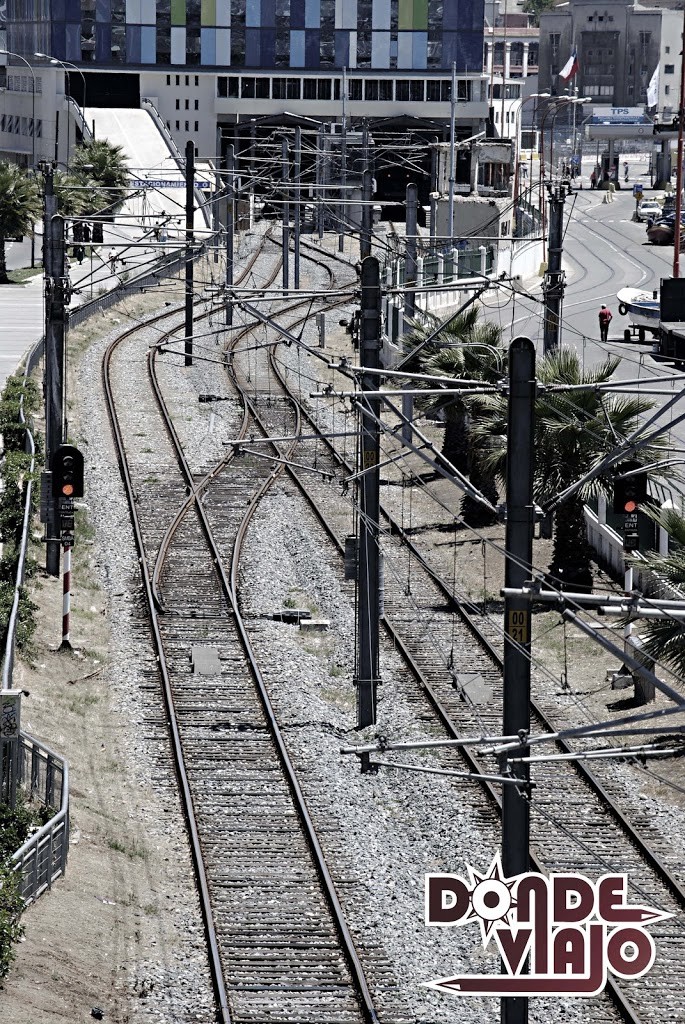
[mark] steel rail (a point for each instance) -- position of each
(229, 586)
(653, 860)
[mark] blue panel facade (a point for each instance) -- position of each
(315, 34)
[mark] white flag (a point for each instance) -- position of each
(653, 89)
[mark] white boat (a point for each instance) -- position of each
(642, 308)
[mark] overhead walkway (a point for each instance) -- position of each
(152, 157)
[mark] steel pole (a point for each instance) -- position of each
(343, 166)
(190, 211)
(298, 206)
(230, 231)
(368, 556)
(517, 615)
(410, 264)
(679, 170)
(286, 215)
(453, 114)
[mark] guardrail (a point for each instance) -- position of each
(43, 777)
(176, 153)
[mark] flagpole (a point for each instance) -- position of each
(679, 170)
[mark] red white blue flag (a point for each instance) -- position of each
(570, 68)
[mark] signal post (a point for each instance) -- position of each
(67, 483)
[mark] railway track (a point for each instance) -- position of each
(455, 641)
(576, 821)
(278, 940)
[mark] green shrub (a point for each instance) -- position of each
(11, 904)
(15, 827)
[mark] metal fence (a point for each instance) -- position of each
(44, 780)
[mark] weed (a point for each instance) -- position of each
(132, 851)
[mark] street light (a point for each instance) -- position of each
(534, 96)
(67, 67)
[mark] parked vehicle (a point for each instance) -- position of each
(647, 208)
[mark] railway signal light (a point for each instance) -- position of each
(67, 472)
(629, 491)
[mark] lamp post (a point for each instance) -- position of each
(67, 67)
(534, 96)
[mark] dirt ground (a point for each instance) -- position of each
(114, 910)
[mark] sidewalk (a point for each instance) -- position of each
(22, 310)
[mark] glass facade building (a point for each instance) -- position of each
(427, 35)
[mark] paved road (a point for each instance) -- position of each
(604, 251)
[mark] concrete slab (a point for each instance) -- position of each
(205, 660)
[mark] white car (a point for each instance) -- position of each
(647, 208)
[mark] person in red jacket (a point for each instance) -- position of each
(605, 319)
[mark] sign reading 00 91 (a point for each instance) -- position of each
(518, 626)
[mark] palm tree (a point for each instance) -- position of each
(101, 168)
(466, 349)
(20, 207)
(574, 430)
(70, 197)
(664, 639)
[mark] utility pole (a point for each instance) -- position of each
(518, 569)
(298, 207)
(412, 205)
(367, 200)
(453, 155)
(55, 337)
(433, 194)
(553, 285)
(368, 555)
(190, 212)
(321, 192)
(230, 231)
(286, 215)
(343, 166)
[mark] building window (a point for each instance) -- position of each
(278, 88)
(323, 88)
(221, 87)
(168, 79)
(292, 88)
(187, 80)
(197, 81)
(463, 92)
(667, 49)
(187, 124)
(262, 89)
(178, 104)
(187, 104)
(416, 91)
(309, 89)
(385, 90)
(402, 91)
(197, 104)
(669, 69)
(178, 126)
(196, 129)
(247, 88)
(354, 89)
(178, 79)
(433, 91)
(371, 89)
(554, 40)
(667, 90)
